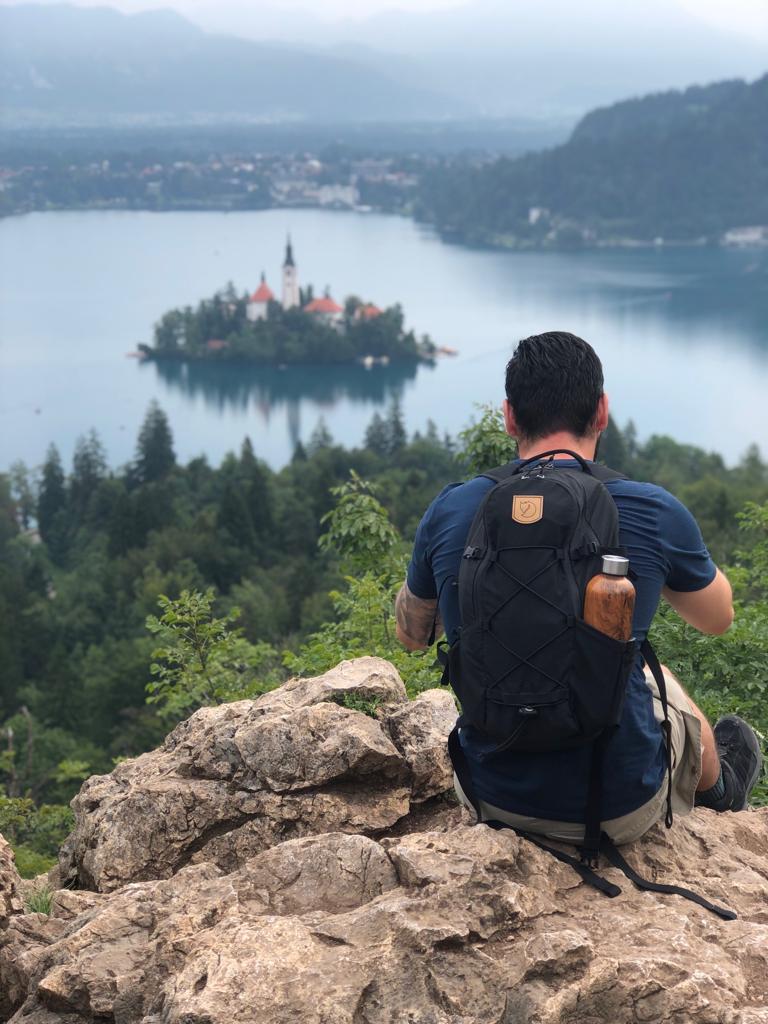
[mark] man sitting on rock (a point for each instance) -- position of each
(555, 400)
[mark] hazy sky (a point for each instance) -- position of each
(744, 16)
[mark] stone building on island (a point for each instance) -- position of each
(258, 304)
(324, 309)
(291, 293)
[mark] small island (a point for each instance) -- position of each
(299, 329)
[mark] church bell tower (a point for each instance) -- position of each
(290, 279)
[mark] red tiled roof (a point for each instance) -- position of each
(369, 312)
(216, 345)
(324, 305)
(263, 293)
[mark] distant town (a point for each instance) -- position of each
(626, 177)
(219, 181)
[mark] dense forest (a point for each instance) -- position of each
(120, 588)
(218, 329)
(684, 166)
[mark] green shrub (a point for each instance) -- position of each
(39, 899)
(203, 660)
(30, 864)
(35, 833)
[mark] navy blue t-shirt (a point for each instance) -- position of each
(665, 548)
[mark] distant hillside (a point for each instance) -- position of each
(680, 165)
(520, 58)
(69, 64)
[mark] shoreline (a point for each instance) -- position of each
(143, 357)
(450, 237)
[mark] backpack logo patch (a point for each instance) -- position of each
(527, 508)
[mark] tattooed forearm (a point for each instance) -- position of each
(415, 618)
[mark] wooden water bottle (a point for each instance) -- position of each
(609, 602)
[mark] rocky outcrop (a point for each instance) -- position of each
(428, 919)
(10, 885)
(235, 780)
(460, 926)
(11, 905)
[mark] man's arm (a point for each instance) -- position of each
(415, 618)
(710, 610)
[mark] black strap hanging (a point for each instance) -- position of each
(590, 849)
(649, 656)
(608, 849)
(605, 844)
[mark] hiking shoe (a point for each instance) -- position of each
(741, 758)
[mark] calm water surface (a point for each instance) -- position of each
(683, 334)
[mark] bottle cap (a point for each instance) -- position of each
(615, 565)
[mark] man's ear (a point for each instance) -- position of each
(601, 419)
(510, 424)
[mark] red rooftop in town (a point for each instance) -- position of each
(368, 312)
(263, 293)
(324, 305)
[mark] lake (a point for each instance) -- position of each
(683, 333)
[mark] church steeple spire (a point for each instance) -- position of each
(291, 296)
(289, 254)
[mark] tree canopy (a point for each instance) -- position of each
(282, 571)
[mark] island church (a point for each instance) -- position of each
(325, 308)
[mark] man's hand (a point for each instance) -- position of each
(709, 610)
(415, 618)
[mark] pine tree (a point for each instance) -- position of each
(377, 436)
(612, 450)
(22, 491)
(155, 457)
(397, 436)
(321, 437)
(299, 453)
(121, 525)
(257, 492)
(89, 468)
(52, 497)
(234, 516)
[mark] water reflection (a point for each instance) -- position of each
(674, 327)
(694, 288)
(225, 387)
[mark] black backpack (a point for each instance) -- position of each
(529, 672)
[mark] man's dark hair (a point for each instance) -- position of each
(554, 382)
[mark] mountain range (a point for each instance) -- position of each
(63, 63)
(484, 58)
(545, 57)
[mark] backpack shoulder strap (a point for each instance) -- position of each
(500, 472)
(604, 474)
(600, 472)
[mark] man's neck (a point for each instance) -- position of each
(583, 446)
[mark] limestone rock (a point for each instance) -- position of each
(67, 904)
(419, 730)
(10, 885)
(372, 679)
(465, 926)
(291, 859)
(20, 945)
(310, 747)
(234, 780)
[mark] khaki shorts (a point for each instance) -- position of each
(686, 772)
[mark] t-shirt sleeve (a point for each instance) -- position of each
(420, 579)
(690, 564)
